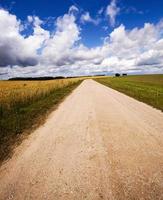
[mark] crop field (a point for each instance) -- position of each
(145, 88)
(24, 103)
(95, 129)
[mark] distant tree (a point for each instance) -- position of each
(59, 77)
(35, 78)
(117, 75)
(124, 74)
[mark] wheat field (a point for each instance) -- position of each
(25, 104)
(13, 92)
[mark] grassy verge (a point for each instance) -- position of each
(145, 88)
(23, 116)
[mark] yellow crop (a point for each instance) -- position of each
(12, 92)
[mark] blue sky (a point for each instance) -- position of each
(134, 13)
(93, 22)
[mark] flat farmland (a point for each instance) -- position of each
(99, 144)
(25, 104)
(145, 88)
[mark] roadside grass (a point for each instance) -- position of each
(145, 88)
(24, 105)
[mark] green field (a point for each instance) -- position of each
(24, 105)
(145, 88)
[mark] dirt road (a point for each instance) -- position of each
(99, 144)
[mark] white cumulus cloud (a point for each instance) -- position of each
(85, 18)
(15, 49)
(112, 11)
(61, 52)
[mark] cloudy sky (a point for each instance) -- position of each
(80, 37)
